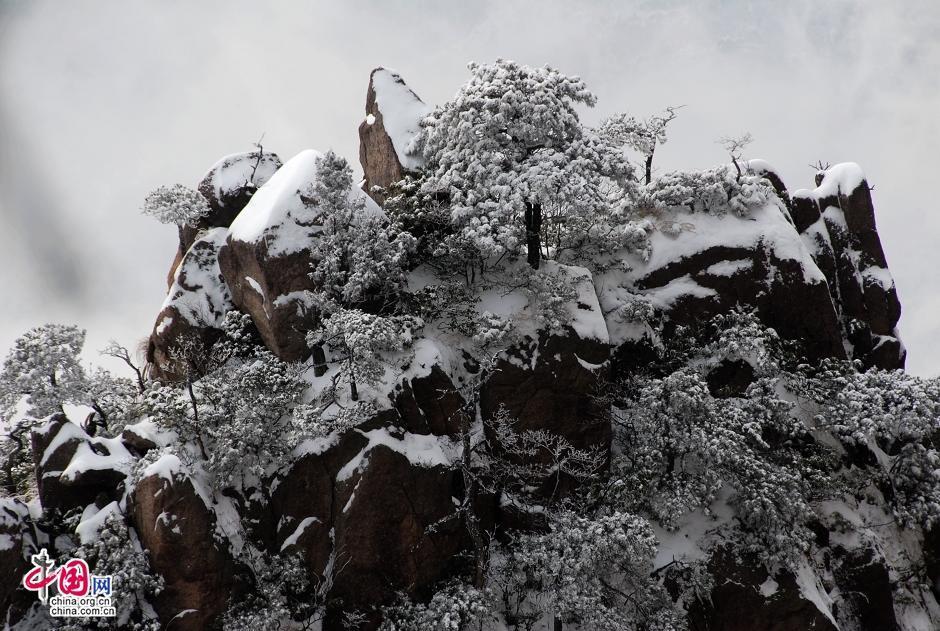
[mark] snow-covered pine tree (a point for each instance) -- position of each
(177, 205)
(360, 258)
(642, 136)
(518, 168)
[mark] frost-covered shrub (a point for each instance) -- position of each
(40, 373)
(642, 136)
(716, 191)
(44, 365)
(680, 445)
(514, 163)
(359, 257)
(893, 413)
(454, 607)
(677, 444)
(358, 341)
(176, 204)
(116, 551)
(594, 573)
(282, 594)
(242, 409)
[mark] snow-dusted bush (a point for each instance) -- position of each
(716, 191)
(177, 204)
(358, 340)
(677, 444)
(116, 551)
(40, 373)
(454, 607)
(239, 408)
(360, 258)
(896, 415)
(44, 366)
(594, 573)
(281, 596)
(642, 136)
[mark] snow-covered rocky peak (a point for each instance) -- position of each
(401, 110)
(235, 177)
(283, 211)
(393, 116)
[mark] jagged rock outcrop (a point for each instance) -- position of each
(194, 307)
(227, 187)
(812, 268)
(72, 468)
(702, 265)
(745, 597)
(359, 506)
(17, 541)
(837, 222)
(177, 528)
(393, 113)
(266, 260)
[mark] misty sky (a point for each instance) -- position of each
(102, 101)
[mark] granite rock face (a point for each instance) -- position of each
(393, 112)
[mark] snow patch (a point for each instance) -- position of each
(299, 530)
(402, 112)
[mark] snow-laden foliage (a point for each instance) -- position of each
(357, 341)
(513, 161)
(116, 551)
(591, 572)
(44, 365)
(454, 607)
(177, 204)
(282, 595)
(359, 258)
(680, 445)
(235, 405)
(717, 191)
(642, 136)
(897, 416)
(680, 439)
(40, 374)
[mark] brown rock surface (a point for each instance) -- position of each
(380, 162)
(176, 528)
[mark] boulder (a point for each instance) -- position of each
(385, 507)
(358, 506)
(176, 528)
(702, 265)
(266, 259)
(552, 383)
(393, 114)
(867, 591)
(227, 187)
(72, 468)
(194, 307)
(837, 223)
(746, 598)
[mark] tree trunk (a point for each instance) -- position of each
(649, 168)
(533, 229)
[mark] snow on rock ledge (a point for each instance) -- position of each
(195, 305)
(704, 264)
(266, 259)
(836, 221)
(227, 187)
(393, 114)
